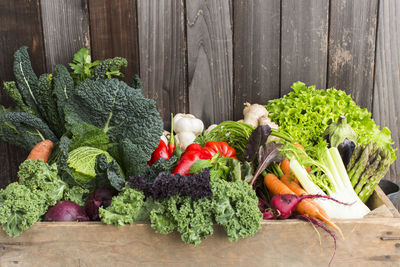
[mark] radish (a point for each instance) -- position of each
(285, 204)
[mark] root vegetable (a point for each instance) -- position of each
(253, 113)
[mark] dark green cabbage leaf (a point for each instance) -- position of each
(124, 114)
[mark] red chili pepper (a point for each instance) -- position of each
(160, 152)
(195, 152)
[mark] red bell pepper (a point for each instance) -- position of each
(222, 148)
(195, 152)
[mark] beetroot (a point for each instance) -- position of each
(65, 211)
(99, 198)
(266, 211)
(285, 204)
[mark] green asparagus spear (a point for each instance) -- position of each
(369, 187)
(359, 166)
(356, 154)
(369, 171)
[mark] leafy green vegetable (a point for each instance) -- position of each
(12, 91)
(124, 207)
(109, 67)
(82, 65)
(76, 194)
(26, 77)
(20, 208)
(47, 104)
(84, 134)
(82, 162)
(225, 168)
(63, 88)
(24, 129)
(109, 173)
(235, 208)
(124, 114)
(148, 205)
(39, 176)
(191, 217)
(306, 112)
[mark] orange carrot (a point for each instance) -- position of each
(300, 146)
(285, 166)
(41, 150)
(276, 187)
(298, 190)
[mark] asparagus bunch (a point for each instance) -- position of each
(367, 166)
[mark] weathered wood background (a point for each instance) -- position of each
(208, 57)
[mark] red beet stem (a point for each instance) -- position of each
(322, 196)
(320, 225)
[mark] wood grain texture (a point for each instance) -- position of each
(209, 39)
(304, 45)
(386, 110)
(256, 41)
(114, 32)
(352, 48)
(162, 55)
(65, 30)
(19, 25)
(281, 243)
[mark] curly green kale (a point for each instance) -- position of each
(124, 207)
(76, 194)
(39, 176)
(235, 208)
(192, 218)
(20, 208)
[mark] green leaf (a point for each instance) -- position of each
(12, 91)
(26, 77)
(109, 173)
(127, 118)
(63, 88)
(82, 161)
(47, 105)
(24, 129)
(84, 134)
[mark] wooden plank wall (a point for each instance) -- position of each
(208, 57)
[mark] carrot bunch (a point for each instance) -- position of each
(288, 184)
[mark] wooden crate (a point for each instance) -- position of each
(371, 241)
